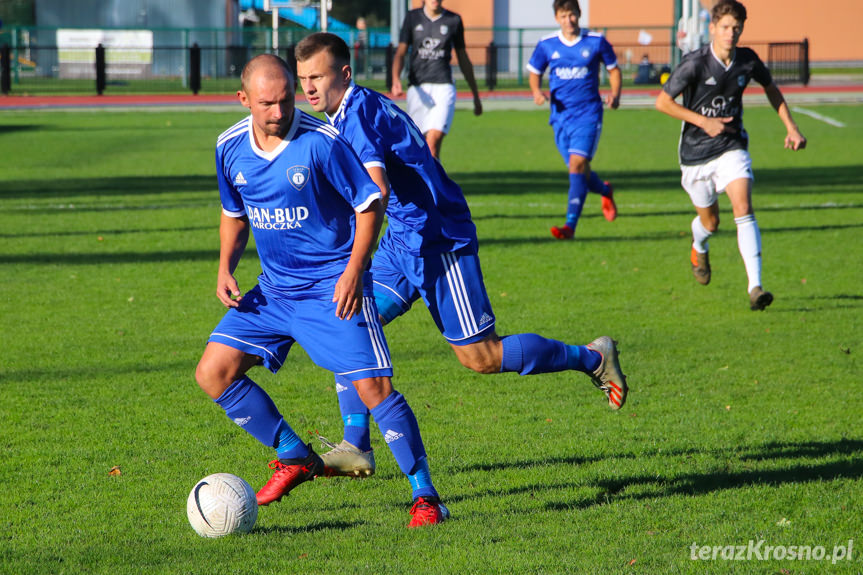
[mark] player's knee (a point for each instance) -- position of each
(212, 380)
(480, 364)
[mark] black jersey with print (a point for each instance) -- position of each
(431, 43)
(711, 89)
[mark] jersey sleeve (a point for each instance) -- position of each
(232, 202)
(349, 177)
(538, 60)
(607, 53)
(458, 37)
(681, 77)
(760, 72)
(406, 34)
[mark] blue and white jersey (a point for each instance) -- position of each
(573, 77)
(427, 212)
(300, 200)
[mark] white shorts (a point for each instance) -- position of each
(432, 106)
(704, 182)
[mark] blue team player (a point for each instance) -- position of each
(572, 57)
(315, 215)
(429, 249)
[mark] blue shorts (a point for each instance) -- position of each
(450, 284)
(268, 326)
(579, 138)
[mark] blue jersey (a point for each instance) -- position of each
(427, 212)
(573, 77)
(299, 199)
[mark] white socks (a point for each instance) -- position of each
(700, 236)
(749, 244)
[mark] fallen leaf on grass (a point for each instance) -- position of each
(115, 471)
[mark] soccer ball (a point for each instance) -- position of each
(221, 504)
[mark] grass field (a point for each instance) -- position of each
(740, 427)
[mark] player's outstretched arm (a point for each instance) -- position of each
(615, 80)
(348, 294)
(794, 140)
(398, 66)
(233, 237)
(466, 67)
(535, 83)
(711, 126)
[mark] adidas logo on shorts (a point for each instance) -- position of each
(340, 388)
(241, 421)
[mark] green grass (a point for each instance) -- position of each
(740, 426)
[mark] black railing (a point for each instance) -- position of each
(789, 62)
(216, 69)
(5, 69)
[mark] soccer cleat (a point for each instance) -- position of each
(700, 266)
(428, 511)
(608, 376)
(345, 459)
(609, 208)
(759, 299)
(563, 232)
(288, 474)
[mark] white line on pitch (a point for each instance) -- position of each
(817, 116)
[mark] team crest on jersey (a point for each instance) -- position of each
(444, 29)
(585, 53)
(298, 176)
(741, 80)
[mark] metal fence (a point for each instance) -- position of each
(202, 60)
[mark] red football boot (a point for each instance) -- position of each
(288, 474)
(428, 511)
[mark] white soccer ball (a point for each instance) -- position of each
(221, 504)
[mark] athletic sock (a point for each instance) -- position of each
(289, 445)
(355, 414)
(749, 244)
(577, 195)
(251, 408)
(700, 235)
(581, 358)
(421, 482)
(528, 354)
(596, 185)
(399, 427)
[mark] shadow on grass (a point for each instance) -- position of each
(542, 235)
(21, 128)
(793, 471)
(95, 258)
(310, 528)
(114, 232)
(76, 259)
(70, 188)
(838, 179)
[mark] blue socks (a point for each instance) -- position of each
(529, 354)
(580, 358)
(577, 195)
(251, 408)
(355, 414)
(402, 434)
(399, 427)
(596, 185)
